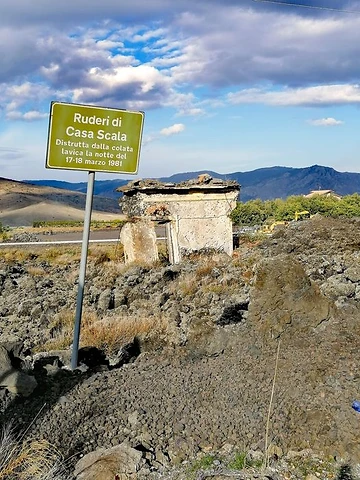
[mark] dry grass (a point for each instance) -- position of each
(62, 329)
(12, 255)
(247, 276)
(72, 276)
(109, 272)
(108, 334)
(23, 459)
(205, 268)
(211, 275)
(63, 254)
(186, 285)
(106, 253)
(97, 255)
(60, 257)
(216, 288)
(35, 271)
(247, 260)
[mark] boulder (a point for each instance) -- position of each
(12, 378)
(337, 286)
(19, 383)
(126, 354)
(120, 462)
(285, 299)
(5, 362)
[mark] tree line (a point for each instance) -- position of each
(258, 212)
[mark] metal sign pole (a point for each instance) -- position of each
(82, 273)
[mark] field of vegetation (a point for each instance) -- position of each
(258, 212)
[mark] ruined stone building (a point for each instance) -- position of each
(195, 214)
(323, 193)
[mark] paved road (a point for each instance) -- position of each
(101, 236)
(108, 234)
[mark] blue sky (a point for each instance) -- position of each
(225, 85)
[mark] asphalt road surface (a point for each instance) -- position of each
(48, 236)
(107, 234)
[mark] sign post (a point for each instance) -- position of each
(82, 272)
(94, 139)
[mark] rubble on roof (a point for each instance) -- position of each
(203, 181)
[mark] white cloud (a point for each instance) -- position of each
(250, 46)
(173, 130)
(10, 154)
(28, 101)
(28, 116)
(323, 95)
(325, 122)
(129, 87)
(148, 35)
(109, 44)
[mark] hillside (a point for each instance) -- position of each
(203, 363)
(263, 183)
(104, 188)
(22, 203)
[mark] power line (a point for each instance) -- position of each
(302, 5)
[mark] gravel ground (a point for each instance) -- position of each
(209, 384)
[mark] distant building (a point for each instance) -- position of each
(323, 193)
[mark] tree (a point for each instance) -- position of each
(257, 212)
(249, 213)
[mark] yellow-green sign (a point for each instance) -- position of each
(83, 137)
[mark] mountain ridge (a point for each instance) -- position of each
(263, 183)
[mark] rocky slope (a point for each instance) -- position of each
(204, 382)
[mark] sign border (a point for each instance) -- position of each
(117, 172)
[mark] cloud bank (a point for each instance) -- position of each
(181, 57)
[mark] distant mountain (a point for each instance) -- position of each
(103, 188)
(263, 183)
(281, 182)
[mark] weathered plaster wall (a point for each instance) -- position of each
(139, 240)
(198, 220)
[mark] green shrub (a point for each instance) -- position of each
(78, 223)
(239, 462)
(202, 463)
(257, 212)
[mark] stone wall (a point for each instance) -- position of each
(196, 214)
(140, 241)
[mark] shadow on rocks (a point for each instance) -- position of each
(344, 473)
(53, 381)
